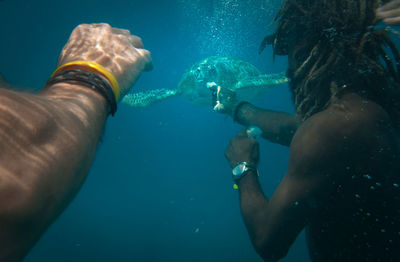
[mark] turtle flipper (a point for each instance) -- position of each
(253, 87)
(147, 98)
(262, 81)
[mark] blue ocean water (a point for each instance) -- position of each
(160, 188)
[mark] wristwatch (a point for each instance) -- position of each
(240, 170)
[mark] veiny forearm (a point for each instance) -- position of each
(278, 127)
(47, 142)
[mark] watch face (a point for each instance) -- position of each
(239, 169)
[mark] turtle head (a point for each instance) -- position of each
(194, 84)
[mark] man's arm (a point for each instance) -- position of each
(274, 224)
(48, 140)
(277, 127)
(48, 144)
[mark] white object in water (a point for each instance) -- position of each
(253, 132)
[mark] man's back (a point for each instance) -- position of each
(358, 219)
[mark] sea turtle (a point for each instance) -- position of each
(236, 75)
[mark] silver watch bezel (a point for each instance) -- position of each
(240, 170)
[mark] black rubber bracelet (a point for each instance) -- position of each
(87, 79)
(236, 110)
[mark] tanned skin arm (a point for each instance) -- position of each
(48, 143)
(277, 127)
(48, 140)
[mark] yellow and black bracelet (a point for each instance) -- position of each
(91, 75)
(87, 79)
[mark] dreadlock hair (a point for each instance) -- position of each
(334, 48)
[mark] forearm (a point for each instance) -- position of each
(48, 142)
(253, 205)
(255, 209)
(278, 127)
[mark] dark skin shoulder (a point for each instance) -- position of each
(335, 158)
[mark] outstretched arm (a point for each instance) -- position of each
(49, 139)
(277, 127)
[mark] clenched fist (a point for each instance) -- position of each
(115, 49)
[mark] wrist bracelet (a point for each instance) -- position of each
(236, 110)
(94, 68)
(87, 79)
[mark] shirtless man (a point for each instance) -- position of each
(48, 140)
(343, 178)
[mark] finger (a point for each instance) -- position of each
(147, 58)
(121, 31)
(392, 21)
(105, 25)
(136, 41)
(389, 6)
(242, 133)
(388, 14)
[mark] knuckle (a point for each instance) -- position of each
(144, 53)
(80, 27)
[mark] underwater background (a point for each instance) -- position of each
(160, 188)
